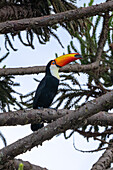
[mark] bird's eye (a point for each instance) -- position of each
(53, 63)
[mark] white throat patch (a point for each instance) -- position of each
(54, 71)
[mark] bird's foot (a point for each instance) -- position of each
(40, 108)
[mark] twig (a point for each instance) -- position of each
(89, 134)
(94, 150)
(103, 141)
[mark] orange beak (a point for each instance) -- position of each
(67, 58)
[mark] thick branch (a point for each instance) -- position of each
(46, 115)
(14, 164)
(23, 24)
(101, 118)
(41, 69)
(74, 119)
(104, 161)
(31, 116)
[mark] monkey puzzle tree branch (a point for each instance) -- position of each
(23, 117)
(103, 36)
(104, 161)
(73, 120)
(41, 69)
(14, 11)
(80, 13)
(101, 119)
(14, 164)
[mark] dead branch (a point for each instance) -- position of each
(73, 120)
(80, 13)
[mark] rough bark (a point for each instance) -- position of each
(73, 120)
(41, 69)
(104, 161)
(80, 13)
(103, 36)
(101, 118)
(46, 115)
(14, 164)
(23, 117)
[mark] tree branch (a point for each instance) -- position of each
(14, 164)
(73, 120)
(103, 36)
(80, 13)
(41, 69)
(70, 67)
(23, 117)
(104, 161)
(101, 118)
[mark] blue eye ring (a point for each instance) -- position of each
(53, 63)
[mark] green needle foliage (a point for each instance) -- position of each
(72, 93)
(7, 100)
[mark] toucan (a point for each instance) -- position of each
(47, 89)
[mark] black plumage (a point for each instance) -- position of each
(45, 93)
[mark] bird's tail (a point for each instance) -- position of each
(35, 127)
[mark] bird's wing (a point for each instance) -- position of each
(38, 93)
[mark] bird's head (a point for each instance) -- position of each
(54, 65)
(65, 59)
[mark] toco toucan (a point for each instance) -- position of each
(48, 86)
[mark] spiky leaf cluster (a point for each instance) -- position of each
(7, 92)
